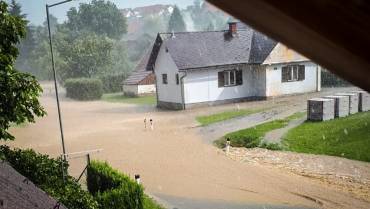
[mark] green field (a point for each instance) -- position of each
(252, 137)
(120, 98)
(347, 137)
(218, 117)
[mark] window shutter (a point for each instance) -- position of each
(221, 79)
(284, 74)
(301, 72)
(239, 77)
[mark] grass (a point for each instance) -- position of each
(120, 98)
(218, 117)
(150, 203)
(252, 137)
(347, 137)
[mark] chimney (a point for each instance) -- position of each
(232, 28)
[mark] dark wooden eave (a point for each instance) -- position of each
(154, 53)
(333, 33)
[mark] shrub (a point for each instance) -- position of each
(251, 137)
(113, 189)
(46, 173)
(271, 146)
(150, 203)
(130, 94)
(84, 88)
(121, 198)
(112, 83)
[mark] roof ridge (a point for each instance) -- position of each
(185, 32)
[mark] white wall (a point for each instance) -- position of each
(202, 85)
(146, 89)
(274, 86)
(170, 92)
(139, 89)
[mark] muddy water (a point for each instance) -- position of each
(173, 159)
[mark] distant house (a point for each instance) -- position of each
(141, 81)
(214, 67)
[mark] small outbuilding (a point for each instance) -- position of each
(141, 81)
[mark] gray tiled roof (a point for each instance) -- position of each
(140, 71)
(16, 192)
(211, 48)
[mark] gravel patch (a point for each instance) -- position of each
(347, 175)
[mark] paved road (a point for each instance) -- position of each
(275, 136)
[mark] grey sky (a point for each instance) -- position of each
(35, 9)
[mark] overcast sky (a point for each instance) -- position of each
(35, 9)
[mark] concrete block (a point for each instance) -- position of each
(341, 105)
(363, 101)
(353, 101)
(320, 109)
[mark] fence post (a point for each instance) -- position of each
(88, 159)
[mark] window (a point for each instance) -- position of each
(293, 73)
(177, 79)
(230, 78)
(164, 79)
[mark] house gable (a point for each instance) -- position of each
(283, 54)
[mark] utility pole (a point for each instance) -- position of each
(55, 82)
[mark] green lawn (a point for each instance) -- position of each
(214, 118)
(347, 137)
(252, 137)
(120, 98)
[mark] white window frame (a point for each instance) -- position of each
(227, 78)
(293, 71)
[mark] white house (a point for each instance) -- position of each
(213, 67)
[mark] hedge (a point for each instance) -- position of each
(45, 172)
(112, 83)
(84, 88)
(113, 189)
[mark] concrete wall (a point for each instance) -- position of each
(171, 92)
(202, 85)
(146, 89)
(275, 87)
(139, 89)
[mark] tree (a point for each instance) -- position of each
(53, 24)
(15, 9)
(102, 18)
(121, 63)
(153, 25)
(87, 56)
(19, 92)
(176, 22)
